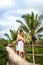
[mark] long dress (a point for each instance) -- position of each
(20, 46)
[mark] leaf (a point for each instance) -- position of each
(27, 19)
(41, 17)
(24, 28)
(7, 36)
(40, 30)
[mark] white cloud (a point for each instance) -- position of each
(31, 3)
(22, 11)
(11, 18)
(36, 1)
(9, 24)
(4, 3)
(2, 32)
(10, 13)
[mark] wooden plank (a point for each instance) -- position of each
(34, 45)
(34, 54)
(2, 49)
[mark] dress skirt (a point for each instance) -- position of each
(20, 46)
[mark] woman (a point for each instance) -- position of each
(20, 43)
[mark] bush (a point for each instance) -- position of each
(3, 55)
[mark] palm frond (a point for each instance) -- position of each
(11, 31)
(22, 24)
(36, 24)
(31, 20)
(40, 35)
(34, 21)
(24, 28)
(41, 17)
(14, 35)
(7, 36)
(32, 17)
(40, 30)
(27, 19)
(27, 16)
(3, 39)
(19, 21)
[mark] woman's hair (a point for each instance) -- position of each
(20, 31)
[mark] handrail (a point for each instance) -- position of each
(35, 45)
(27, 54)
(34, 54)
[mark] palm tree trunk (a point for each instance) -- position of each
(33, 52)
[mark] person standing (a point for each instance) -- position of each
(20, 43)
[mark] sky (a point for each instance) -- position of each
(11, 10)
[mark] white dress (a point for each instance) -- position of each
(20, 46)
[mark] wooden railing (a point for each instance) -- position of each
(35, 45)
(28, 54)
(34, 53)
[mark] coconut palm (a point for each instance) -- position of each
(30, 25)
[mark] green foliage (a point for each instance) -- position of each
(3, 53)
(39, 60)
(13, 35)
(30, 27)
(4, 43)
(3, 57)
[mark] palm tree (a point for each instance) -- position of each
(31, 26)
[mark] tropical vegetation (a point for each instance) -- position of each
(31, 25)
